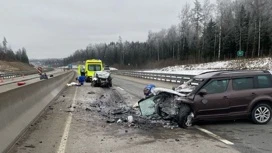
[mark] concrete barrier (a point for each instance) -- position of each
(20, 107)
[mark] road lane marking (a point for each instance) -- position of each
(65, 135)
(120, 88)
(214, 135)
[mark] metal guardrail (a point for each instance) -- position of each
(166, 77)
(9, 75)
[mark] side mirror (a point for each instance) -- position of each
(174, 88)
(202, 92)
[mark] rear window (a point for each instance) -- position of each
(94, 67)
(242, 83)
(106, 68)
(263, 81)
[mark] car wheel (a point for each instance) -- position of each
(183, 118)
(261, 114)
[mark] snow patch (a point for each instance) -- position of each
(194, 69)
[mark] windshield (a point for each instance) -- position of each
(94, 67)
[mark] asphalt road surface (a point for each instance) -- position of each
(74, 124)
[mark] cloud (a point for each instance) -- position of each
(56, 28)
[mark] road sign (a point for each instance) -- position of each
(70, 66)
(39, 70)
(240, 53)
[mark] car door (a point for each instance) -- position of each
(215, 102)
(263, 85)
(242, 93)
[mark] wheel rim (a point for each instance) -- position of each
(262, 114)
(188, 122)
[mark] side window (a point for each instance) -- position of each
(264, 81)
(216, 86)
(242, 83)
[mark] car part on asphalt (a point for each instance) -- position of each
(21, 83)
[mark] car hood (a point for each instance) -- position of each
(159, 90)
(185, 90)
(102, 74)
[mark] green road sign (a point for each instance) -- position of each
(240, 53)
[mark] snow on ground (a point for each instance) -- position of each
(187, 72)
(194, 69)
(112, 68)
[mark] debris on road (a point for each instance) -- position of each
(110, 120)
(130, 119)
(30, 146)
(91, 92)
(119, 111)
(136, 105)
(21, 83)
(119, 121)
(88, 109)
(114, 109)
(70, 110)
(72, 84)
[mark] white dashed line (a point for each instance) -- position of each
(65, 135)
(120, 88)
(214, 135)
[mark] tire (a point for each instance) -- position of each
(261, 114)
(182, 116)
(94, 84)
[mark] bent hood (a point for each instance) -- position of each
(159, 90)
(102, 74)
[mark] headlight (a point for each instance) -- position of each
(94, 79)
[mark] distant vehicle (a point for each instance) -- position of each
(70, 66)
(92, 66)
(107, 68)
(219, 95)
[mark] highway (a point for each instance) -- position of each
(71, 124)
(10, 84)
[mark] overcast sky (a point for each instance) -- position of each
(56, 28)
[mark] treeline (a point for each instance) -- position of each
(206, 32)
(7, 54)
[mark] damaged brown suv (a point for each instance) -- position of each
(220, 95)
(229, 95)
